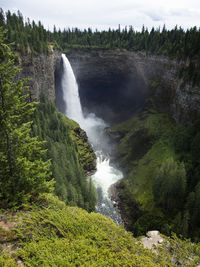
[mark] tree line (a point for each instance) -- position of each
(33, 37)
(25, 37)
(30, 37)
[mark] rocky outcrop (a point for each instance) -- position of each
(40, 69)
(152, 240)
(114, 84)
(86, 153)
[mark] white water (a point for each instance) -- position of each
(106, 175)
(70, 93)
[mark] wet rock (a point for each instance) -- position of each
(114, 135)
(114, 193)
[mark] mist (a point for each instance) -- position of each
(106, 175)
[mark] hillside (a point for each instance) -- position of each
(160, 159)
(71, 154)
(53, 234)
(151, 79)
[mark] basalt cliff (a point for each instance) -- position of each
(40, 69)
(114, 84)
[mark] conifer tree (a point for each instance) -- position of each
(23, 170)
(170, 185)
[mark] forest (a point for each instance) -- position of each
(22, 162)
(46, 200)
(71, 183)
(36, 146)
(161, 163)
(31, 37)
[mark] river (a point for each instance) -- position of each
(106, 174)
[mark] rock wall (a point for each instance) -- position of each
(41, 71)
(114, 84)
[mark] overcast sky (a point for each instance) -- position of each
(103, 14)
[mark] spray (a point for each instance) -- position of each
(106, 175)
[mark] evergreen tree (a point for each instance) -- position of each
(2, 18)
(23, 171)
(170, 185)
(31, 37)
(71, 184)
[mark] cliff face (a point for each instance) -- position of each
(114, 84)
(40, 69)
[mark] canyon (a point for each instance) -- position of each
(114, 84)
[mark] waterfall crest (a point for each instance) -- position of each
(106, 175)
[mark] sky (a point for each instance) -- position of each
(102, 14)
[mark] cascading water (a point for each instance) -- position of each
(106, 175)
(70, 93)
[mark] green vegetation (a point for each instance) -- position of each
(161, 160)
(174, 42)
(161, 186)
(27, 164)
(170, 185)
(67, 149)
(29, 37)
(24, 168)
(52, 234)
(86, 154)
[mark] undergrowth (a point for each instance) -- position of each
(57, 235)
(53, 234)
(152, 143)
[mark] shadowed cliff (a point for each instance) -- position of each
(114, 84)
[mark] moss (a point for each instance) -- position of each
(7, 261)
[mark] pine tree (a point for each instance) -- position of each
(2, 19)
(170, 185)
(23, 170)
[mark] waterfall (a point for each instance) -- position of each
(106, 175)
(70, 93)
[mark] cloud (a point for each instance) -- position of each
(155, 15)
(183, 12)
(108, 13)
